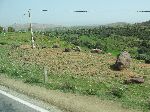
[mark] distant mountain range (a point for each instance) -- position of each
(35, 26)
(146, 23)
(118, 24)
(45, 27)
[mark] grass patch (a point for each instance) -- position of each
(117, 92)
(32, 80)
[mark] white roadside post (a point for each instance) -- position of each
(32, 36)
(45, 74)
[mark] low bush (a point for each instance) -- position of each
(91, 91)
(147, 60)
(3, 43)
(66, 87)
(32, 80)
(117, 92)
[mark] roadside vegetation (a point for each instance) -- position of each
(82, 72)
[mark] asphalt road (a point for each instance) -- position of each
(10, 103)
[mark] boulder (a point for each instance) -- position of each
(96, 51)
(109, 54)
(77, 49)
(43, 47)
(67, 50)
(123, 61)
(137, 80)
(55, 46)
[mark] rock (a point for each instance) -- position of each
(43, 47)
(55, 46)
(77, 49)
(137, 80)
(67, 50)
(109, 54)
(96, 51)
(123, 61)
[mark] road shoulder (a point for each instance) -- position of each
(64, 101)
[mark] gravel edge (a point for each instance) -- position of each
(65, 101)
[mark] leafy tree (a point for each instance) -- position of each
(1, 29)
(133, 38)
(11, 29)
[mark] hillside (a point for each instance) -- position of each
(118, 24)
(146, 23)
(81, 73)
(36, 26)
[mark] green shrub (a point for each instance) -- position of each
(11, 29)
(91, 91)
(141, 56)
(67, 86)
(143, 50)
(147, 60)
(133, 51)
(3, 69)
(117, 92)
(145, 57)
(32, 80)
(15, 73)
(1, 29)
(3, 43)
(148, 104)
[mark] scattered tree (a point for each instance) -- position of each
(11, 29)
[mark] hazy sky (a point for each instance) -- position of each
(61, 12)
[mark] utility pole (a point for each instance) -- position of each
(31, 31)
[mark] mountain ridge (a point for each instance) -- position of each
(35, 26)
